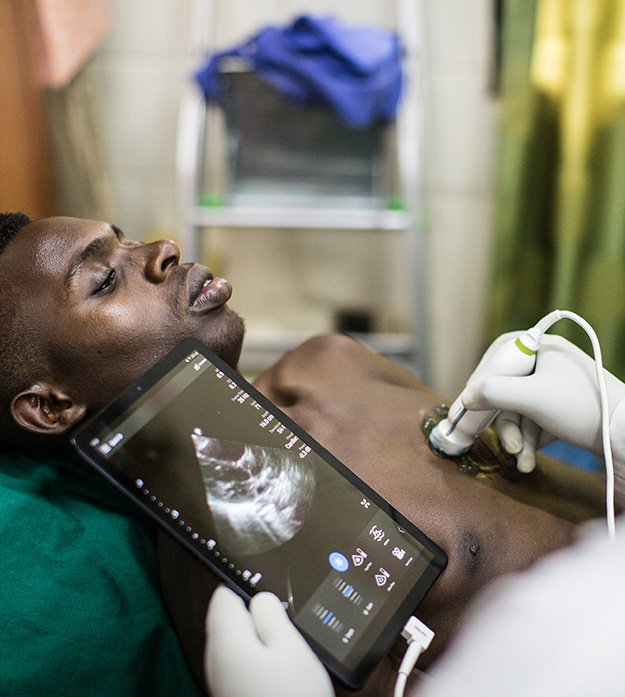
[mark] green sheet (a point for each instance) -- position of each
(82, 612)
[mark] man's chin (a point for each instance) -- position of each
(226, 340)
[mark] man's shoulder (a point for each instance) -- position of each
(330, 359)
(331, 347)
(325, 354)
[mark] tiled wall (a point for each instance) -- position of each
(460, 122)
(283, 277)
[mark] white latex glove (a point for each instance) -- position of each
(259, 653)
(559, 400)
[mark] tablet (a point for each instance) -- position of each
(264, 506)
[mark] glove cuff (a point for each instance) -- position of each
(617, 441)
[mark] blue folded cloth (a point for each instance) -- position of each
(355, 71)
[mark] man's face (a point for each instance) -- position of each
(105, 309)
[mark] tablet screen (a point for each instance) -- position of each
(265, 506)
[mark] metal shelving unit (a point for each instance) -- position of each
(310, 209)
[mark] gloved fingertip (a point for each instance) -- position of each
(525, 464)
(470, 395)
(225, 596)
(512, 442)
(272, 622)
(223, 603)
(265, 600)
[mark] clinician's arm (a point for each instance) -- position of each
(259, 653)
(559, 400)
(556, 630)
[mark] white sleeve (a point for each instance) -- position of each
(617, 441)
(556, 630)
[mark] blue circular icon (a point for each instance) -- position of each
(338, 561)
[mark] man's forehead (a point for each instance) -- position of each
(46, 246)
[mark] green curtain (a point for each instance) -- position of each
(559, 226)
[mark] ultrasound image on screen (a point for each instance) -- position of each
(259, 496)
(223, 467)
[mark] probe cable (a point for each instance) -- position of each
(544, 324)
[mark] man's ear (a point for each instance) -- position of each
(44, 408)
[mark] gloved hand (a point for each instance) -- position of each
(259, 653)
(559, 400)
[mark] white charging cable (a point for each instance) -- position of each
(419, 637)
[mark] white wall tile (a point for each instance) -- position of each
(265, 273)
(239, 19)
(139, 107)
(149, 26)
(458, 244)
(352, 269)
(363, 12)
(459, 127)
(146, 206)
(458, 36)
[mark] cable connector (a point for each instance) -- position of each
(415, 630)
(419, 636)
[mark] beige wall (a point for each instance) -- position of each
(283, 278)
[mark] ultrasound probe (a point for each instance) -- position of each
(456, 434)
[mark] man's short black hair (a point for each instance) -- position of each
(10, 225)
(16, 348)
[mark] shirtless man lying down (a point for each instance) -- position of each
(84, 312)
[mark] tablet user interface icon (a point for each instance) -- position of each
(338, 561)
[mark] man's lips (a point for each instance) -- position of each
(206, 292)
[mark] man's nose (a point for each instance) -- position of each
(160, 257)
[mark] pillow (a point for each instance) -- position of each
(82, 612)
